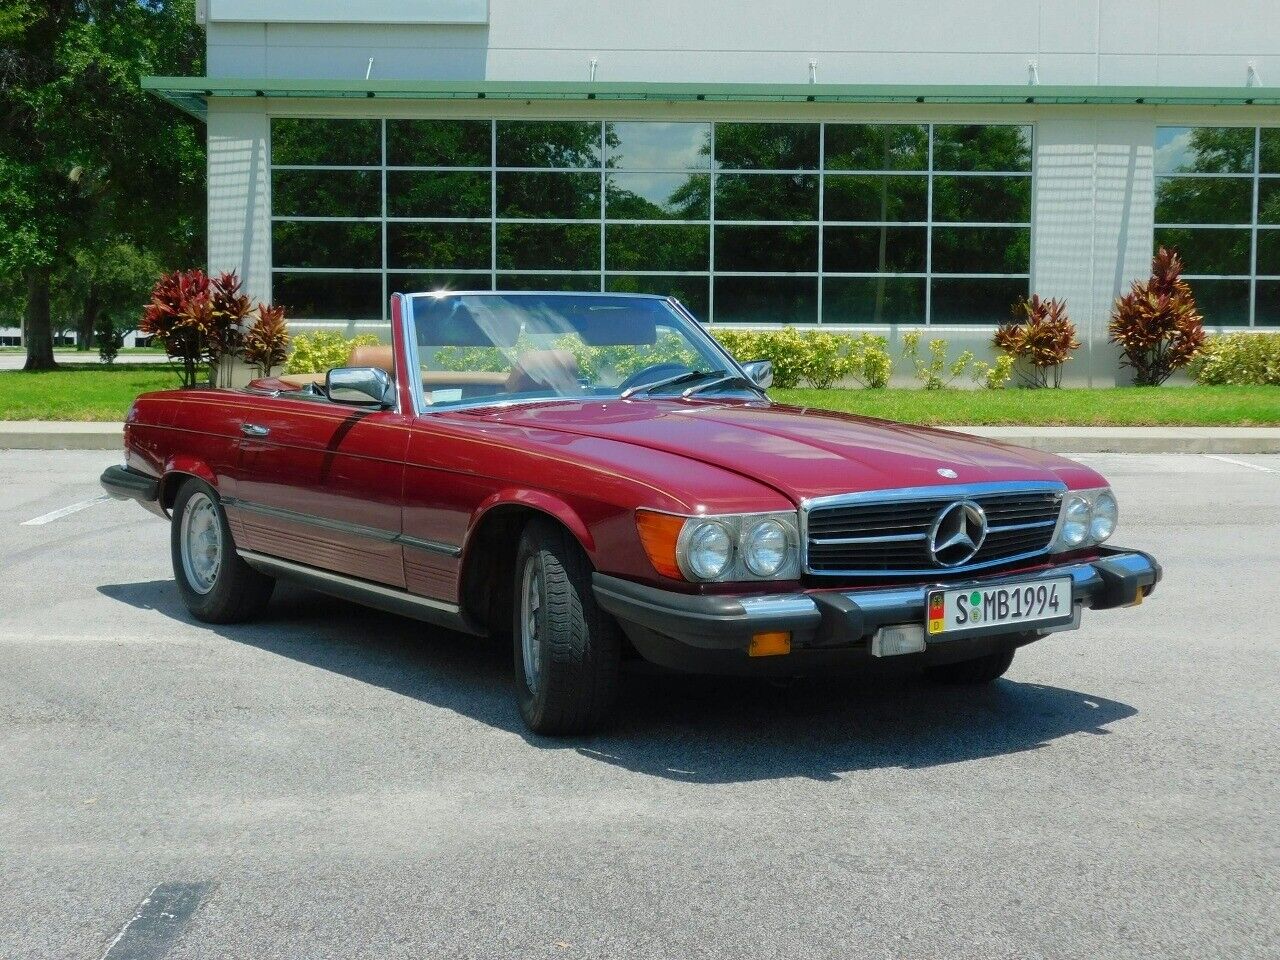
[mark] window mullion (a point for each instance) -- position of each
(493, 204)
(1253, 233)
(928, 237)
(602, 186)
(822, 171)
(386, 297)
(711, 240)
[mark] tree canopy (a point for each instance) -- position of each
(88, 161)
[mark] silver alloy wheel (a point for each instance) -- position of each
(530, 602)
(200, 541)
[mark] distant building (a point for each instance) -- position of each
(882, 165)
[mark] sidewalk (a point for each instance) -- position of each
(61, 435)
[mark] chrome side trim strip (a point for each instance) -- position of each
(342, 526)
(310, 519)
(431, 546)
(393, 600)
(322, 578)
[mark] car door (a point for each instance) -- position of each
(320, 484)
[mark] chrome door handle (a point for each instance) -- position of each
(253, 430)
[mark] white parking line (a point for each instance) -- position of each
(1240, 463)
(63, 511)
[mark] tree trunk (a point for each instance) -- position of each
(37, 325)
(88, 319)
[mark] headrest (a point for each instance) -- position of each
(451, 323)
(545, 370)
(599, 322)
(617, 328)
(373, 355)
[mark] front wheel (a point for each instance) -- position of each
(566, 648)
(980, 670)
(216, 585)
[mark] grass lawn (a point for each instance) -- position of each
(1121, 406)
(97, 392)
(83, 392)
(159, 352)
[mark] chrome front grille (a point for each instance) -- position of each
(886, 532)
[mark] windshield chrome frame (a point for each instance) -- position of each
(422, 408)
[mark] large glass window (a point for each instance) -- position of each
(744, 222)
(1218, 204)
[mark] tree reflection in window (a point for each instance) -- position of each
(1206, 181)
(762, 220)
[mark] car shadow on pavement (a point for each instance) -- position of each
(691, 729)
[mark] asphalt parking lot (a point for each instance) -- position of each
(333, 782)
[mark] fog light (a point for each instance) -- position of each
(897, 640)
(770, 644)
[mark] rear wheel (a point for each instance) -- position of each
(980, 670)
(566, 648)
(216, 585)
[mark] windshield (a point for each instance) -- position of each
(483, 348)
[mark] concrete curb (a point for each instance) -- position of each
(58, 435)
(1069, 440)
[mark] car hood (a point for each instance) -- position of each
(800, 452)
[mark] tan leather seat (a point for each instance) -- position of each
(371, 355)
(545, 370)
(375, 355)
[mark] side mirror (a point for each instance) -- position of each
(760, 372)
(360, 386)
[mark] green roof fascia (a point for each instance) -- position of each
(192, 93)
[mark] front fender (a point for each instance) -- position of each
(541, 502)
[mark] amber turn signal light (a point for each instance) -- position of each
(770, 644)
(658, 535)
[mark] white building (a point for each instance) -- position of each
(871, 164)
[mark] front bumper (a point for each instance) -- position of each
(713, 632)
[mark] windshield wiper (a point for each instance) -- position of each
(736, 379)
(669, 382)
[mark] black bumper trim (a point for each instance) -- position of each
(122, 483)
(829, 619)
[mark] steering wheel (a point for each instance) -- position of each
(652, 373)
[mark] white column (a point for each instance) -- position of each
(240, 193)
(1091, 235)
(239, 187)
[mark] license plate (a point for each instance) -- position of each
(980, 608)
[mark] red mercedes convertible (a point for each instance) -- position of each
(593, 478)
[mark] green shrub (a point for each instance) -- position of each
(1239, 359)
(818, 357)
(938, 371)
(318, 352)
(110, 338)
(872, 364)
(994, 376)
(783, 348)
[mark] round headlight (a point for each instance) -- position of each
(764, 548)
(1105, 514)
(708, 550)
(1075, 522)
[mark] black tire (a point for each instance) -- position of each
(577, 645)
(235, 592)
(974, 672)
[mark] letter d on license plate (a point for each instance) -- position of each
(980, 608)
